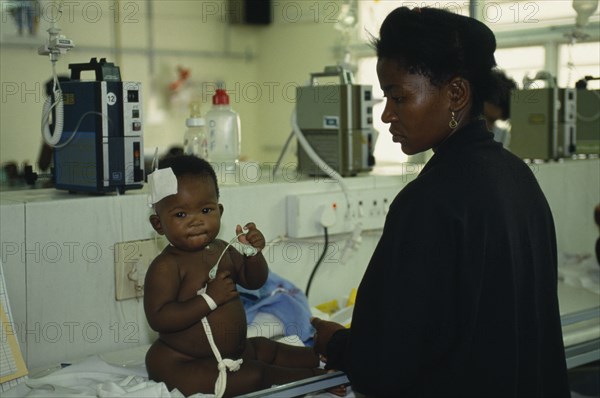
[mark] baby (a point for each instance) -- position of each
(202, 345)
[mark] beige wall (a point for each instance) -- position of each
(261, 65)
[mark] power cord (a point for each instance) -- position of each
(247, 250)
(314, 271)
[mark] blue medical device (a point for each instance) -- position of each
(101, 146)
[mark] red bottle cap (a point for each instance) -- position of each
(220, 97)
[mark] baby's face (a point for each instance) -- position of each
(191, 219)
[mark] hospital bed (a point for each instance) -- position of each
(580, 318)
(122, 373)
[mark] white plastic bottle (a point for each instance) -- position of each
(223, 127)
(195, 140)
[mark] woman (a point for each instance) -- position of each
(459, 298)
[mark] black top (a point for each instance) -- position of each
(460, 295)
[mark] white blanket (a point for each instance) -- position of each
(96, 378)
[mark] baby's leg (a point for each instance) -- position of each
(192, 376)
(180, 371)
(280, 354)
(255, 375)
(285, 355)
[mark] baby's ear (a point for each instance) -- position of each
(221, 209)
(155, 222)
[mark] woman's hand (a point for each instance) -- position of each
(325, 330)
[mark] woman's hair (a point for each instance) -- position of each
(440, 45)
(188, 164)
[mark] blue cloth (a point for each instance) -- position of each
(280, 298)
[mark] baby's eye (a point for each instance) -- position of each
(180, 214)
(206, 210)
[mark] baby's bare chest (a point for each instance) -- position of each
(194, 272)
(191, 282)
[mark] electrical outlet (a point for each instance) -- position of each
(132, 260)
(369, 207)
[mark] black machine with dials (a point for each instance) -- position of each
(101, 146)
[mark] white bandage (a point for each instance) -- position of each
(249, 250)
(211, 303)
(162, 183)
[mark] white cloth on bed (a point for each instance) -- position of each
(580, 270)
(93, 377)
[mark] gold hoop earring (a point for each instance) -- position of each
(453, 123)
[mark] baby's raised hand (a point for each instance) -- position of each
(222, 288)
(252, 237)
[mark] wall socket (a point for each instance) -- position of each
(367, 207)
(132, 260)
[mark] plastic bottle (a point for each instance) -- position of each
(195, 140)
(223, 138)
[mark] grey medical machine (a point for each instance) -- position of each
(543, 123)
(337, 120)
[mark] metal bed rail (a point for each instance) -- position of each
(302, 387)
(588, 351)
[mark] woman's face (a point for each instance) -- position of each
(418, 112)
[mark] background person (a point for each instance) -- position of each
(497, 106)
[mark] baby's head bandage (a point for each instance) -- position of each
(162, 183)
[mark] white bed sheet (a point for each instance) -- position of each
(572, 300)
(110, 375)
(94, 377)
